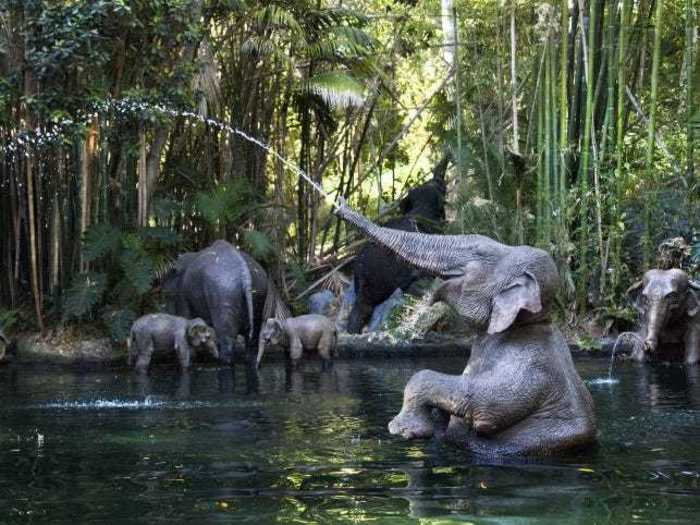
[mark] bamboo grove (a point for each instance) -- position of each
(572, 125)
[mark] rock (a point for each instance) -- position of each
(347, 300)
(323, 303)
(383, 311)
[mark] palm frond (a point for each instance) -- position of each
(99, 240)
(337, 89)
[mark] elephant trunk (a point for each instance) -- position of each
(442, 255)
(261, 351)
(656, 318)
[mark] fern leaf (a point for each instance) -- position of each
(164, 236)
(99, 240)
(258, 244)
(337, 89)
(119, 323)
(84, 294)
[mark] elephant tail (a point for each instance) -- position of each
(248, 291)
(129, 344)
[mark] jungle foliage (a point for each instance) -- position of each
(573, 125)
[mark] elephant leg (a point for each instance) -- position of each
(692, 344)
(226, 326)
(296, 350)
(183, 350)
(144, 352)
(535, 437)
(425, 391)
(359, 315)
(325, 345)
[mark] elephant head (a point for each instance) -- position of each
(490, 285)
(664, 296)
(201, 335)
(272, 333)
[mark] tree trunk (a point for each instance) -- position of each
(514, 78)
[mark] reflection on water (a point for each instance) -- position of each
(311, 446)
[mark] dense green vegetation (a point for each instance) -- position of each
(572, 125)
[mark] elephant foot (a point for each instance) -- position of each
(412, 425)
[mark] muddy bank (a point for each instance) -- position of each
(62, 347)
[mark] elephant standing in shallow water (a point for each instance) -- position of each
(520, 392)
(226, 288)
(669, 303)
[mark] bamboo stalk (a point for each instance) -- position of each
(651, 130)
(514, 78)
(563, 106)
(588, 57)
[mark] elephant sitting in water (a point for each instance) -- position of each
(520, 392)
(669, 303)
(164, 333)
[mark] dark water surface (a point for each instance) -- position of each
(311, 446)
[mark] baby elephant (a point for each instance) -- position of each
(162, 333)
(306, 332)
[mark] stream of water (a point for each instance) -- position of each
(311, 446)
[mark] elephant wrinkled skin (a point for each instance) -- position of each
(306, 332)
(377, 272)
(520, 392)
(228, 289)
(163, 333)
(669, 304)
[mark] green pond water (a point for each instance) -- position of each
(311, 446)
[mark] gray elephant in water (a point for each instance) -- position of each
(163, 333)
(669, 304)
(311, 332)
(228, 289)
(520, 392)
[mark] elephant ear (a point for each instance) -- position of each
(693, 300)
(523, 293)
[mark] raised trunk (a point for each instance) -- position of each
(442, 255)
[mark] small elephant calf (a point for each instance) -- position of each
(162, 333)
(306, 332)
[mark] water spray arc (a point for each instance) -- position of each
(40, 137)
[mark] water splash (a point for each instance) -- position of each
(610, 380)
(636, 340)
(149, 403)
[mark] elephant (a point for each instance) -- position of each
(305, 332)
(669, 304)
(377, 272)
(520, 393)
(163, 333)
(228, 289)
